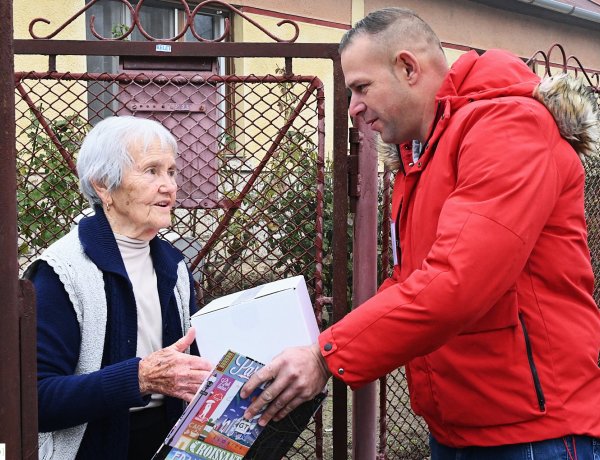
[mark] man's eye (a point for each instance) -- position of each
(151, 171)
(172, 173)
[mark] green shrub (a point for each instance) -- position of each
(48, 196)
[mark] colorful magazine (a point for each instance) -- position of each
(213, 425)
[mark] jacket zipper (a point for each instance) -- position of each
(536, 379)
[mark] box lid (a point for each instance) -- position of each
(251, 294)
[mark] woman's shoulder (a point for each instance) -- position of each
(63, 247)
(164, 252)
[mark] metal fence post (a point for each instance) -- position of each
(10, 390)
(364, 406)
(340, 247)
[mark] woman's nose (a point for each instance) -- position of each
(168, 184)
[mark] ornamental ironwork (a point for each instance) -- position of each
(190, 14)
(566, 64)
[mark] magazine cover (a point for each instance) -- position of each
(212, 426)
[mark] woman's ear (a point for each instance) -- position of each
(103, 193)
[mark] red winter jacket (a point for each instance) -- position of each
(491, 310)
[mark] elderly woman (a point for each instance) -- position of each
(113, 305)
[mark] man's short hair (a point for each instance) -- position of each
(378, 22)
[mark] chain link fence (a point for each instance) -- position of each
(592, 208)
(251, 174)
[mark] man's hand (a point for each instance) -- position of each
(172, 372)
(297, 375)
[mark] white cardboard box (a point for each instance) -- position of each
(258, 322)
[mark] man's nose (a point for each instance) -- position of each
(356, 107)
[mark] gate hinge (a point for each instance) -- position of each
(353, 172)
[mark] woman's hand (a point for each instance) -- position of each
(172, 372)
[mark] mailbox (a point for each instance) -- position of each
(173, 91)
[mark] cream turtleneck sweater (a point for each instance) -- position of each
(139, 266)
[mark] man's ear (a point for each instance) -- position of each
(408, 66)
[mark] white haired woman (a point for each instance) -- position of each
(113, 305)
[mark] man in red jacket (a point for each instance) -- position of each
(490, 306)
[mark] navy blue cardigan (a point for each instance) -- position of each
(101, 398)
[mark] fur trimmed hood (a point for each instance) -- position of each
(572, 104)
(388, 154)
(575, 109)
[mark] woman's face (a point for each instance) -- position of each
(142, 204)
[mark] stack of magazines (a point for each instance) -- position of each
(213, 425)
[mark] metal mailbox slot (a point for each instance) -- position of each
(174, 91)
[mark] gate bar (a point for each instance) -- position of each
(46, 127)
(10, 369)
(340, 246)
(364, 400)
(223, 49)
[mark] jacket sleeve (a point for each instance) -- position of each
(507, 184)
(65, 399)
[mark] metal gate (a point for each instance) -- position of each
(253, 179)
(260, 213)
(251, 193)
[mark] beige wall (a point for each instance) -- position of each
(309, 33)
(57, 12)
(325, 10)
(473, 24)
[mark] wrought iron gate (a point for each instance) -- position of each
(253, 180)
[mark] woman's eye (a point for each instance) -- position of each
(172, 173)
(151, 171)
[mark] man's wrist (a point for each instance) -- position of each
(316, 351)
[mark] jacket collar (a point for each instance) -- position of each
(98, 241)
(494, 74)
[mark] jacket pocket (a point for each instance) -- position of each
(534, 373)
(484, 379)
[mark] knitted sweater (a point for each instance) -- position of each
(101, 398)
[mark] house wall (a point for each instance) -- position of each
(469, 23)
(339, 11)
(310, 32)
(57, 12)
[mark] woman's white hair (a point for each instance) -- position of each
(104, 153)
